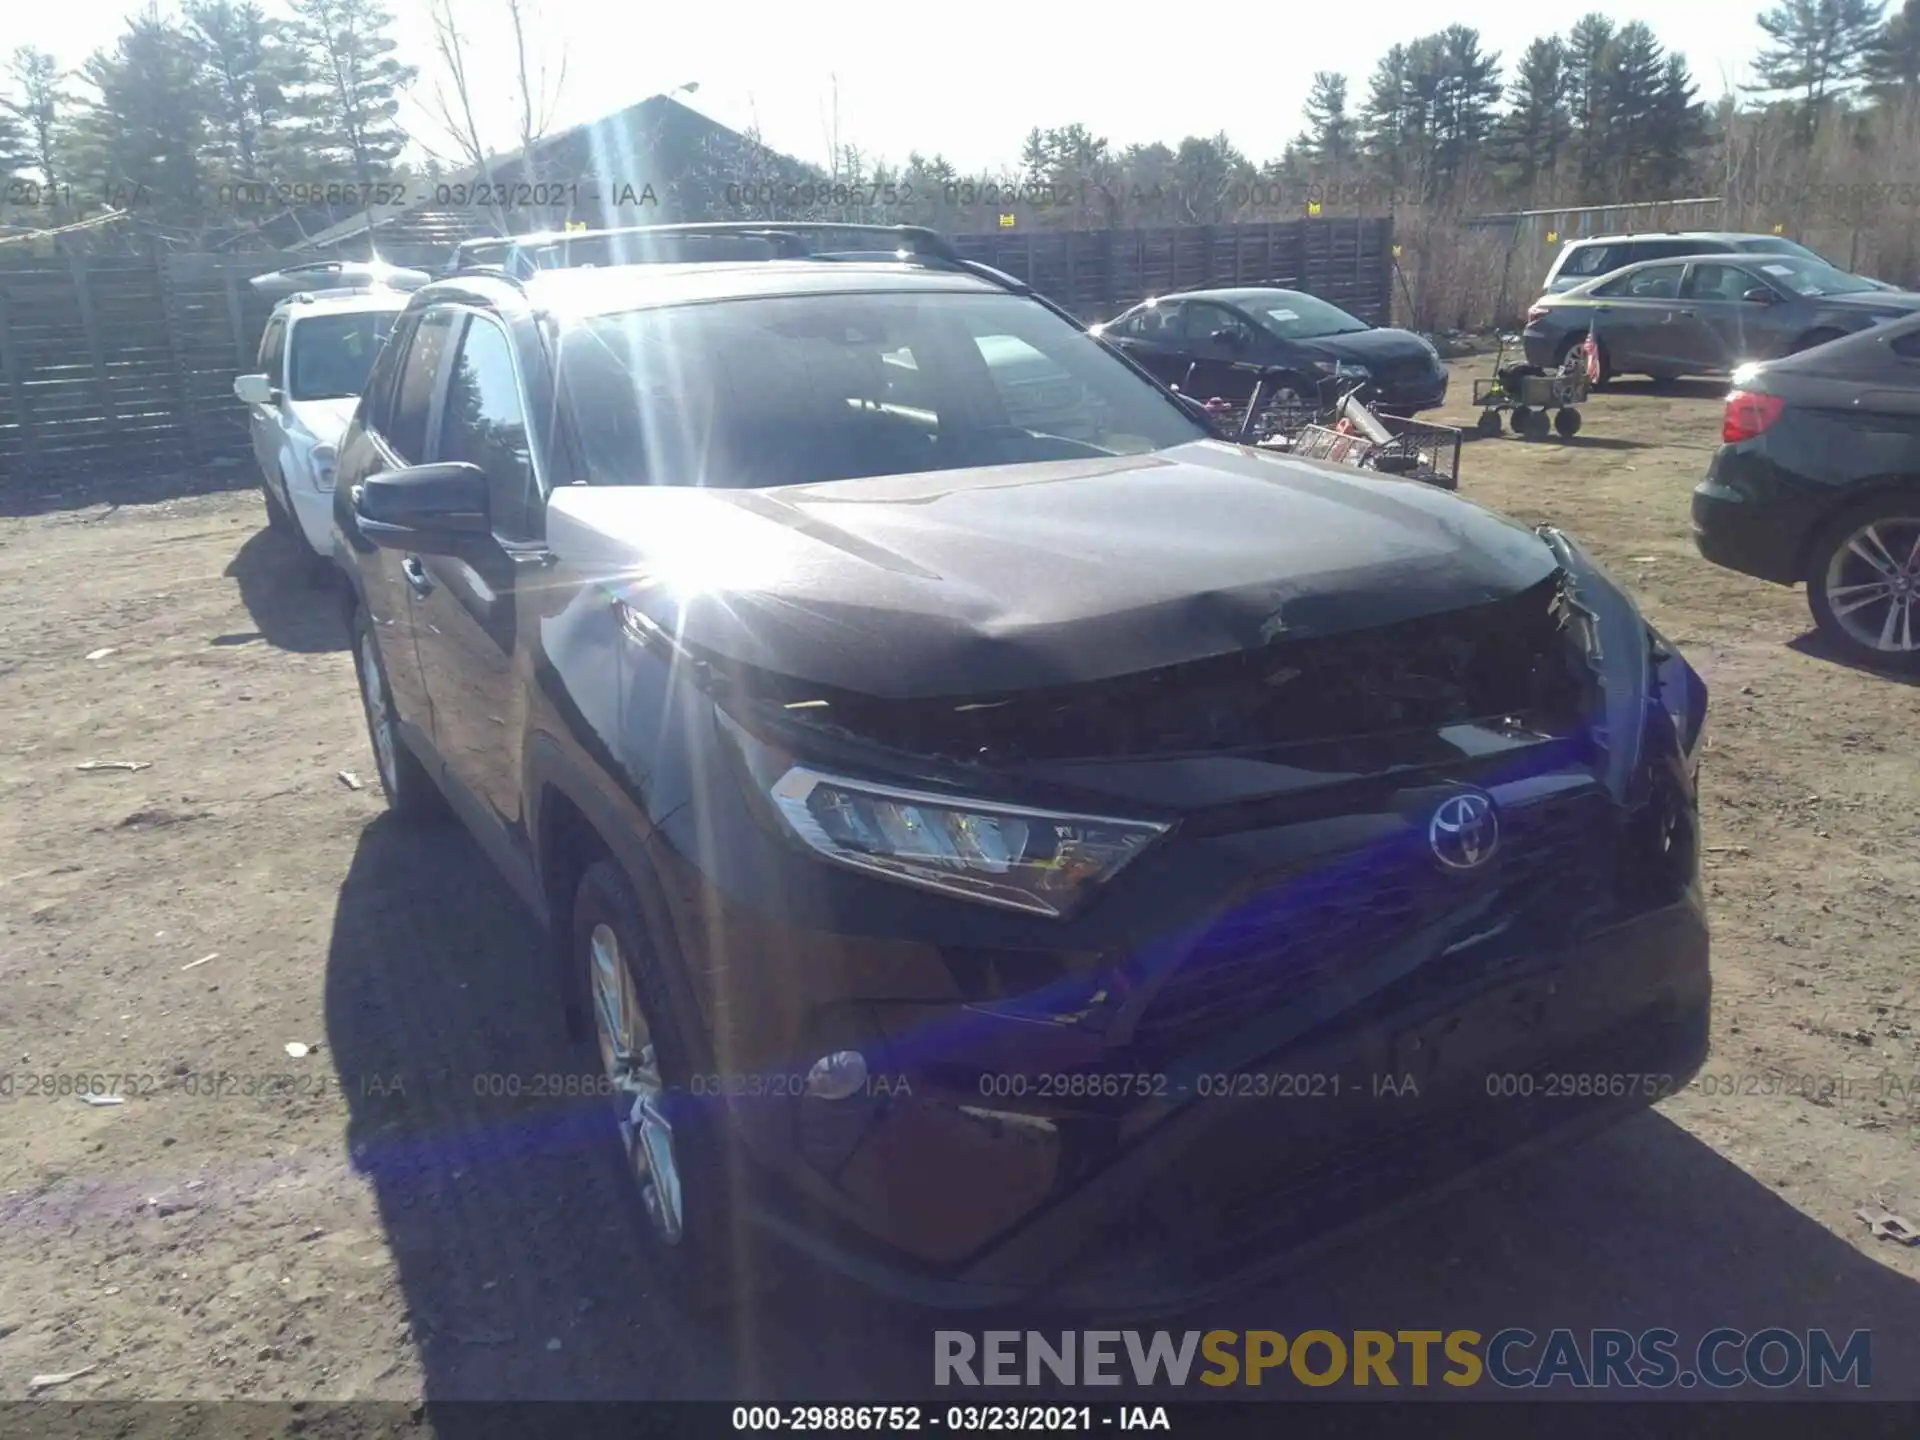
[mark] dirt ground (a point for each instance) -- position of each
(355, 1222)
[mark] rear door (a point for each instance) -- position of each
(1634, 314)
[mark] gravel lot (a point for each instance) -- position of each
(356, 1223)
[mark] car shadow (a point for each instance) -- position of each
(1577, 442)
(1669, 390)
(526, 1276)
(285, 590)
(1817, 646)
(30, 495)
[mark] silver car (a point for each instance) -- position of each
(1706, 314)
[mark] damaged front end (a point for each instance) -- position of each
(1128, 884)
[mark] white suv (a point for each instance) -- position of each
(315, 355)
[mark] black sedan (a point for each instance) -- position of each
(1818, 479)
(1214, 343)
(1708, 314)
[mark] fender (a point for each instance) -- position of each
(1844, 499)
(552, 767)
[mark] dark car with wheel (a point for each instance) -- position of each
(1708, 314)
(1817, 481)
(1217, 343)
(992, 836)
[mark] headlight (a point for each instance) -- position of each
(1344, 369)
(1041, 861)
(320, 463)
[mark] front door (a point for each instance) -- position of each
(1731, 328)
(1219, 341)
(468, 617)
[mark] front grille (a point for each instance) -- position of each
(1505, 658)
(1554, 869)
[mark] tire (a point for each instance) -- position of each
(1538, 425)
(707, 1258)
(278, 520)
(1813, 338)
(411, 793)
(1567, 423)
(1488, 425)
(1882, 634)
(1520, 419)
(1606, 366)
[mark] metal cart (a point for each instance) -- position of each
(1527, 394)
(1337, 425)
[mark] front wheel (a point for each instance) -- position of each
(1488, 425)
(1863, 583)
(671, 1151)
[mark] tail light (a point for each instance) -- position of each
(1748, 414)
(1538, 312)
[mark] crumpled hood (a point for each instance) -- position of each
(1002, 579)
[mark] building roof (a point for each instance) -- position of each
(653, 162)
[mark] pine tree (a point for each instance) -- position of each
(1329, 141)
(350, 84)
(1817, 51)
(1678, 133)
(146, 131)
(1589, 56)
(1465, 88)
(1631, 100)
(1530, 137)
(248, 74)
(1893, 60)
(42, 108)
(1389, 126)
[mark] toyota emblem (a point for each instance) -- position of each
(1464, 832)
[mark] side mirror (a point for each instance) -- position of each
(427, 509)
(255, 390)
(1759, 295)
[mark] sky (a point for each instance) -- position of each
(967, 83)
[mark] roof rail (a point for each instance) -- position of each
(788, 240)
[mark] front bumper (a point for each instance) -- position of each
(1750, 516)
(1370, 1116)
(1411, 396)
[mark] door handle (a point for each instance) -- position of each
(418, 580)
(1684, 314)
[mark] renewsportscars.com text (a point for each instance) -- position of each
(1720, 1359)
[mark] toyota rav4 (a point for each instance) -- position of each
(994, 835)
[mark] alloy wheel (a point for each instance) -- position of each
(632, 1066)
(1873, 585)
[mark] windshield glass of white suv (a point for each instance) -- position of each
(1301, 317)
(802, 389)
(332, 355)
(1811, 277)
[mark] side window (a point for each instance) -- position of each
(377, 407)
(484, 424)
(273, 349)
(1719, 282)
(1127, 327)
(406, 428)
(1159, 324)
(1656, 282)
(1906, 346)
(1588, 261)
(1206, 321)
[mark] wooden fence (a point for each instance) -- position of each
(127, 363)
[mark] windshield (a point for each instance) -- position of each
(1811, 277)
(802, 389)
(1293, 316)
(333, 354)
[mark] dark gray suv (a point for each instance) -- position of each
(994, 835)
